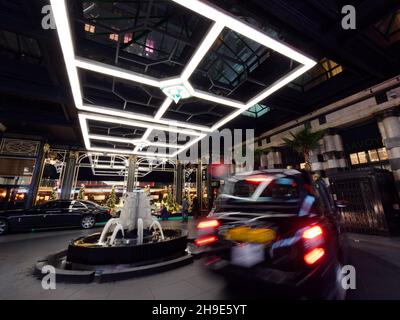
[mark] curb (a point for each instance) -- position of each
(85, 276)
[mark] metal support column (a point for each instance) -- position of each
(37, 176)
(131, 180)
(68, 180)
(210, 195)
(179, 182)
(199, 188)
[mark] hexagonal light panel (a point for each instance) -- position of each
(178, 87)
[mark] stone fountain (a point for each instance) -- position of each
(132, 244)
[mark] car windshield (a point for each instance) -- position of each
(280, 193)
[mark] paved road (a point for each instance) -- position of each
(376, 259)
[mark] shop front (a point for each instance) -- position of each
(18, 165)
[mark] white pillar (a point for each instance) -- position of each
(390, 131)
(333, 152)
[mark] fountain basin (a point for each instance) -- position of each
(85, 250)
(84, 261)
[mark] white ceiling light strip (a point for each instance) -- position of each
(125, 151)
(218, 99)
(133, 123)
(188, 145)
(202, 50)
(135, 116)
(114, 71)
(140, 141)
(211, 12)
(146, 134)
(88, 137)
(60, 15)
(276, 86)
(163, 108)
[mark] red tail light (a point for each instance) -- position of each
(208, 224)
(314, 255)
(312, 232)
(205, 240)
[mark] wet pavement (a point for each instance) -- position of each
(376, 259)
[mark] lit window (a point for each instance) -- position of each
(90, 28)
(373, 155)
(323, 71)
(114, 36)
(362, 157)
(128, 37)
(149, 46)
(382, 154)
(354, 158)
(302, 165)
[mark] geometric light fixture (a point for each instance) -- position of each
(177, 92)
(179, 87)
(173, 147)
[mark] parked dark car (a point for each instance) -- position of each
(54, 214)
(278, 230)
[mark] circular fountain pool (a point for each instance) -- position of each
(86, 250)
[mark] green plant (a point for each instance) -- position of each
(303, 142)
(169, 202)
(53, 195)
(81, 194)
(112, 199)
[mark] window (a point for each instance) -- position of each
(321, 72)
(78, 205)
(382, 154)
(256, 111)
(373, 155)
(322, 119)
(282, 188)
(128, 37)
(149, 46)
(90, 204)
(47, 205)
(114, 36)
(354, 158)
(90, 28)
(362, 157)
(62, 204)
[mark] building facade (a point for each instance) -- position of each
(360, 130)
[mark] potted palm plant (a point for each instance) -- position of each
(303, 142)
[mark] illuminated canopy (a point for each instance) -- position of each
(175, 88)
